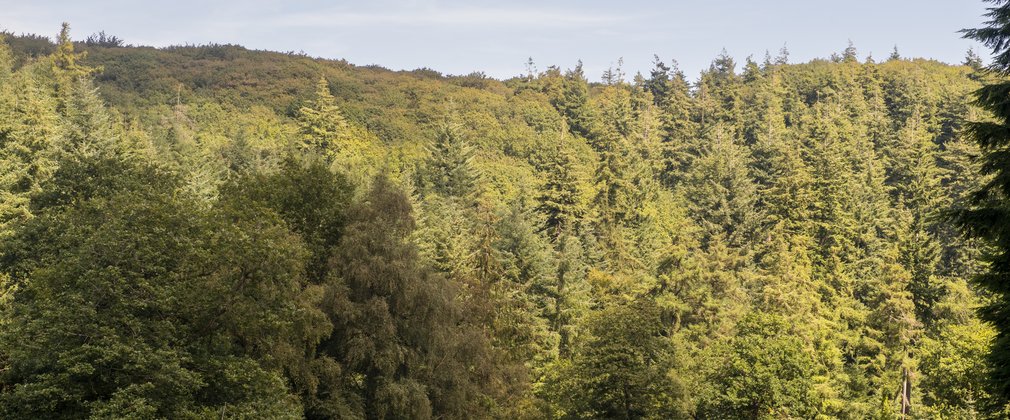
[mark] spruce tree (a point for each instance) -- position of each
(30, 133)
(721, 193)
(612, 201)
(89, 125)
(988, 216)
(895, 55)
(574, 101)
(450, 169)
(323, 128)
(658, 83)
(66, 61)
(679, 132)
(559, 196)
(718, 94)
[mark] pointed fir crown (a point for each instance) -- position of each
(450, 167)
(66, 60)
(322, 125)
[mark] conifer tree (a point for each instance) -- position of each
(783, 57)
(450, 169)
(89, 125)
(323, 127)
(780, 168)
(525, 288)
(987, 217)
(719, 93)
(678, 137)
(30, 132)
(612, 200)
(559, 196)
(895, 55)
(916, 177)
(849, 55)
(962, 256)
(66, 61)
(624, 370)
(573, 299)
(761, 243)
(574, 101)
(972, 60)
(721, 194)
(6, 62)
(658, 83)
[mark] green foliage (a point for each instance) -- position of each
(323, 128)
(761, 243)
(573, 101)
(156, 324)
(763, 371)
(955, 363)
(450, 170)
(623, 370)
(559, 197)
(723, 197)
(312, 201)
(397, 328)
(31, 131)
(986, 215)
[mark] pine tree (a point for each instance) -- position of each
(658, 83)
(614, 75)
(721, 194)
(323, 128)
(450, 169)
(679, 132)
(30, 132)
(572, 301)
(987, 218)
(90, 127)
(783, 57)
(780, 168)
(972, 60)
(895, 55)
(612, 201)
(6, 62)
(526, 292)
(849, 55)
(962, 256)
(66, 62)
(559, 196)
(916, 177)
(718, 94)
(574, 101)
(751, 71)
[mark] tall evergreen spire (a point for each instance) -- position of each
(988, 217)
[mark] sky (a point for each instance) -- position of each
(497, 37)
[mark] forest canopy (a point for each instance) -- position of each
(215, 232)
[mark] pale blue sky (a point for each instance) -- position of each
(497, 36)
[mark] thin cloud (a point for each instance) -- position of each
(452, 17)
